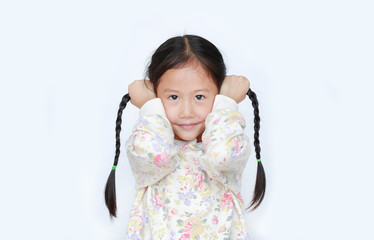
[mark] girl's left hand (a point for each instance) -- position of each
(235, 87)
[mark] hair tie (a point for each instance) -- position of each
(114, 167)
(259, 160)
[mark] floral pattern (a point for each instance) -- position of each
(188, 190)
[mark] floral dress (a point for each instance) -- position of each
(188, 190)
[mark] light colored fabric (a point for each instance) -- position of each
(224, 102)
(188, 190)
(151, 107)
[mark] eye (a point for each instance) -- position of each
(173, 97)
(199, 97)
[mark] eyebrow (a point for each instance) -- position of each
(197, 90)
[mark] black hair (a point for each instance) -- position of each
(177, 52)
(110, 188)
(260, 186)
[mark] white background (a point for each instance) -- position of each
(65, 65)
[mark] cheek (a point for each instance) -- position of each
(170, 112)
(205, 110)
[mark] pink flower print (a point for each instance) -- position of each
(174, 211)
(236, 146)
(140, 125)
(161, 160)
(215, 122)
(188, 224)
(196, 163)
(196, 180)
(158, 200)
(215, 220)
(193, 227)
(199, 178)
(136, 223)
(222, 229)
(237, 143)
(226, 202)
(240, 197)
(185, 236)
(204, 190)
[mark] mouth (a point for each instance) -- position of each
(187, 126)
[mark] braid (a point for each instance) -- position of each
(252, 96)
(259, 192)
(122, 105)
(110, 188)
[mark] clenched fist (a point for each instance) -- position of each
(140, 92)
(235, 87)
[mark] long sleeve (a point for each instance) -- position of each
(150, 148)
(186, 202)
(225, 145)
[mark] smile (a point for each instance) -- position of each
(187, 126)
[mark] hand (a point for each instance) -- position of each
(235, 87)
(140, 92)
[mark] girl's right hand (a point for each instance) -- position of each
(140, 92)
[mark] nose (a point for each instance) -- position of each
(186, 110)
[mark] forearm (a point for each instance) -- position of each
(150, 148)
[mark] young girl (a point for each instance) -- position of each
(188, 150)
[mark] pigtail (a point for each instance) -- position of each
(110, 188)
(259, 192)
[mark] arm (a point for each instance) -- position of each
(226, 147)
(150, 148)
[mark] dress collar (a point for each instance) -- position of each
(188, 144)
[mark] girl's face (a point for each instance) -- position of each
(187, 94)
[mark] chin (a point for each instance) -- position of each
(186, 138)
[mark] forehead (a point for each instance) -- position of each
(187, 78)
